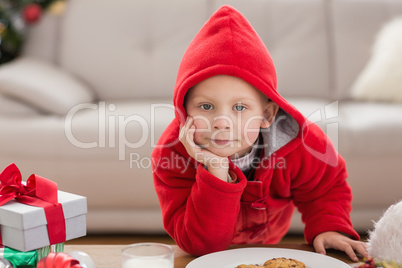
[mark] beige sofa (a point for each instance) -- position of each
(87, 101)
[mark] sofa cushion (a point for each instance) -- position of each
(296, 34)
(370, 129)
(42, 85)
(355, 26)
(42, 38)
(98, 131)
(128, 49)
(381, 79)
(92, 147)
(153, 36)
(356, 128)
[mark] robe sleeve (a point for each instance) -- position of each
(320, 189)
(199, 210)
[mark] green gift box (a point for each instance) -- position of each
(28, 259)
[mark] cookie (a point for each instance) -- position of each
(283, 263)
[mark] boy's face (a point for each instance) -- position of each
(228, 114)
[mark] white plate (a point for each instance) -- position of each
(233, 257)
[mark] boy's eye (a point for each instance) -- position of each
(206, 106)
(239, 108)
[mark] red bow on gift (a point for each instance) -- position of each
(38, 192)
(58, 260)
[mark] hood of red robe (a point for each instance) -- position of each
(227, 44)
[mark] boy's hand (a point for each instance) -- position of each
(216, 165)
(339, 242)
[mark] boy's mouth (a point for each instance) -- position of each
(221, 142)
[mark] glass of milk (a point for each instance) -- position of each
(150, 255)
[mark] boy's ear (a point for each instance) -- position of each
(271, 109)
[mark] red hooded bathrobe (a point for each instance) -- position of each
(299, 166)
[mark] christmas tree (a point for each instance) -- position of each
(15, 17)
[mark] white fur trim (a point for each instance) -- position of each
(385, 242)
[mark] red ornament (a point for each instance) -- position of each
(58, 260)
(32, 13)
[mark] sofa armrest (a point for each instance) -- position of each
(42, 85)
(12, 107)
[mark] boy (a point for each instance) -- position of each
(249, 150)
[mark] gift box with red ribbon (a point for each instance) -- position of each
(35, 214)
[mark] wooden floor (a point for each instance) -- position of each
(131, 239)
(120, 239)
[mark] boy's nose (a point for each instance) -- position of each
(222, 123)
